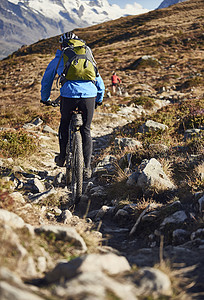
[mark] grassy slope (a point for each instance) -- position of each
(172, 35)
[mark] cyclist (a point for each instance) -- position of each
(114, 80)
(85, 95)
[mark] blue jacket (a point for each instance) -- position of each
(71, 89)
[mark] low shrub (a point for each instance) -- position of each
(145, 101)
(17, 143)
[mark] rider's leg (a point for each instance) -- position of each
(66, 106)
(87, 105)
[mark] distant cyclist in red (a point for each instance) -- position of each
(115, 79)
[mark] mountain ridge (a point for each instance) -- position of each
(25, 22)
(167, 3)
(121, 29)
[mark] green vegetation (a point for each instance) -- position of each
(6, 201)
(146, 102)
(17, 143)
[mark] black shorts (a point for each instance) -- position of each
(114, 84)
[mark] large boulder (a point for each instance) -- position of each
(110, 263)
(150, 175)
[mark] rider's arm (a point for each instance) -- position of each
(47, 81)
(100, 89)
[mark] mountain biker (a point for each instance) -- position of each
(85, 95)
(114, 80)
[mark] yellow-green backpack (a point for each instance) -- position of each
(79, 63)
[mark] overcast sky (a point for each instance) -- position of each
(149, 4)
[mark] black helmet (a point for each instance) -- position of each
(67, 36)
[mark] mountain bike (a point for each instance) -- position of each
(74, 154)
(74, 157)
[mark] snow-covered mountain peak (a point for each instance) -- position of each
(26, 21)
(167, 3)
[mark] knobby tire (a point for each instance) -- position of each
(77, 167)
(69, 162)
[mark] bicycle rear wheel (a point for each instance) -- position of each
(77, 167)
(69, 158)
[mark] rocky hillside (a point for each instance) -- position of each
(138, 230)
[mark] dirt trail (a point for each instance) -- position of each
(188, 263)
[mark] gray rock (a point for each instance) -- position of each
(130, 112)
(110, 263)
(153, 176)
(121, 213)
(66, 216)
(96, 285)
(37, 122)
(8, 292)
(59, 179)
(40, 196)
(11, 219)
(198, 234)
(132, 179)
(152, 126)
(177, 218)
(102, 211)
(180, 236)
(98, 191)
(48, 129)
(35, 185)
(192, 133)
(127, 142)
(68, 234)
(201, 204)
(18, 197)
(41, 264)
(152, 282)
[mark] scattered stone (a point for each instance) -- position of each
(106, 166)
(177, 218)
(59, 179)
(35, 186)
(201, 204)
(151, 281)
(108, 263)
(66, 216)
(127, 142)
(48, 129)
(11, 219)
(96, 285)
(36, 198)
(150, 125)
(151, 175)
(8, 292)
(18, 197)
(198, 234)
(192, 133)
(37, 122)
(41, 264)
(68, 234)
(180, 236)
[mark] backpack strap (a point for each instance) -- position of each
(59, 60)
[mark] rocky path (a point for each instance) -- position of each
(181, 258)
(185, 257)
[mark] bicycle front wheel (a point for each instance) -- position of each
(77, 167)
